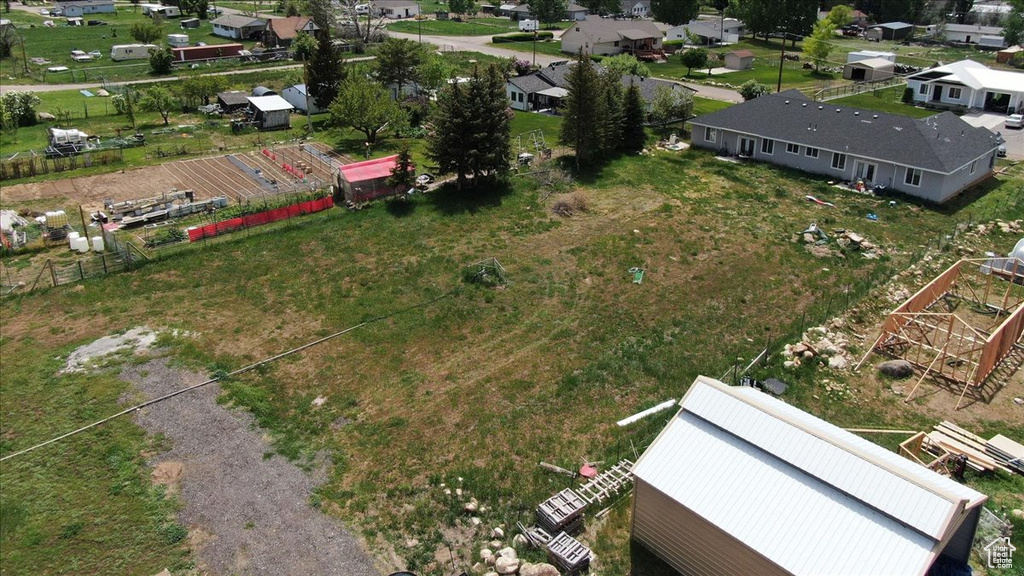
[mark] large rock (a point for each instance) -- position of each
(896, 368)
(506, 565)
(508, 552)
(838, 363)
(542, 569)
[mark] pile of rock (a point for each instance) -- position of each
(854, 241)
(506, 561)
(1011, 227)
(824, 344)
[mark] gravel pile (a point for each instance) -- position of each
(253, 514)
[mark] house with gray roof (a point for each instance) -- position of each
(933, 158)
(607, 37)
(238, 27)
(545, 88)
(635, 8)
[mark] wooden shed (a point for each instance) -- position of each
(739, 60)
(740, 482)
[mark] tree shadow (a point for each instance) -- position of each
(449, 200)
(400, 207)
(588, 174)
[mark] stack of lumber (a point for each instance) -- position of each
(1007, 452)
(956, 440)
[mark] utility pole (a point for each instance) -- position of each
(534, 46)
(782, 56)
(305, 82)
(419, 22)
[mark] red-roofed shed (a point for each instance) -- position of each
(364, 181)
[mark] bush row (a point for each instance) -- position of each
(521, 37)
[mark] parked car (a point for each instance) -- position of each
(80, 56)
(1014, 121)
(96, 54)
(1001, 150)
(423, 180)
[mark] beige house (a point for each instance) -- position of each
(607, 37)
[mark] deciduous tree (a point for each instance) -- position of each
(548, 11)
(820, 43)
(365, 106)
(694, 58)
(158, 99)
(1013, 26)
(146, 32)
(840, 15)
(674, 12)
(671, 105)
(753, 89)
(17, 109)
(462, 6)
(626, 64)
(161, 60)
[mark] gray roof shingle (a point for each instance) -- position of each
(556, 75)
(940, 143)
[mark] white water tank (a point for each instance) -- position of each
(72, 237)
(1018, 250)
(80, 244)
(97, 243)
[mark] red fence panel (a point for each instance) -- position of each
(260, 218)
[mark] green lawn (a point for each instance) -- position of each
(451, 28)
(886, 100)
(549, 47)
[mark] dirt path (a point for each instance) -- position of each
(245, 514)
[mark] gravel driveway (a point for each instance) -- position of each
(251, 515)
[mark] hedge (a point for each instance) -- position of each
(521, 37)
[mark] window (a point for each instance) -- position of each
(913, 177)
(811, 152)
(616, 43)
(954, 94)
(974, 165)
(710, 134)
(838, 161)
(793, 148)
(923, 89)
(767, 146)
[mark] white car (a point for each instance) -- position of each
(1014, 121)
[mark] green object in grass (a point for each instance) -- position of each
(638, 275)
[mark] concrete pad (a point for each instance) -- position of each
(995, 122)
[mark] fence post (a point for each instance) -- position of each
(81, 271)
(103, 259)
(53, 273)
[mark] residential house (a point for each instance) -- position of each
(153, 10)
(635, 8)
(576, 12)
(520, 12)
(739, 482)
(856, 17)
(889, 31)
(296, 96)
(707, 32)
(545, 88)
(281, 31)
(238, 27)
(869, 70)
(969, 85)
(505, 10)
(77, 8)
(739, 60)
(395, 9)
(270, 112)
(932, 158)
(972, 34)
(233, 100)
(367, 180)
(606, 36)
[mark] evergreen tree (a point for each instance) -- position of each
(580, 128)
(398, 62)
(633, 111)
(325, 71)
(403, 175)
(610, 114)
(674, 12)
(448, 140)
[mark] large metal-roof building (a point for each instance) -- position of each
(742, 483)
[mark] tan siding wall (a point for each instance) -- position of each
(689, 543)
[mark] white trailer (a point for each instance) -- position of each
(177, 40)
(120, 52)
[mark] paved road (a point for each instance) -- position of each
(996, 123)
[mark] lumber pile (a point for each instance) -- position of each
(981, 455)
(1009, 452)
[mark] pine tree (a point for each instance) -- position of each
(403, 175)
(448, 139)
(633, 111)
(583, 107)
(325, 71)
(610, 135)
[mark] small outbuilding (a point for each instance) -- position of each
(869, 70)
(367, 180)
(296, 96)
(739, 482)
(889, 31)
(263, 91)
(866, 54)
(232, 100)
(270, 112)
(739, 60)
(189, 23)
(1006, 54)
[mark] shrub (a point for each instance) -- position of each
(521, 37)
(752, 89)
(17, 109)
(908, 95)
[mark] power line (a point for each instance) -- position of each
(230, 374)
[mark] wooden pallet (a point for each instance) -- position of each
(568, 553)
(561, 510)
(608, 483)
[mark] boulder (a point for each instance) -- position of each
(497, 533)
(542, 569)
(1017, 513)
(896, 368)
(46, 117)
(519, 541)
(496, 544)
(471, 506)
(486, 553)
(506, 565)
(808, 238)
(508, 552)
(491, 573)
(838, 363)
(474, 521)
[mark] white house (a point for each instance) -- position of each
(739, 482)
(635, 8)
(971, 33)
(968, 84)
(77, 8)
(728, 31)
(607, 37)
(296, 96)
(396, 9)
(238, 27)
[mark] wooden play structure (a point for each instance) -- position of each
(961, 325)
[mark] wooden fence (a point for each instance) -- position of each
(832, 92)
(29, 164)
(51, 274)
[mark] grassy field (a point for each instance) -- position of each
(885, 100)
(479, 385)
(471, 27)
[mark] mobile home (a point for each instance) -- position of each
(120, 52)
(177, 40)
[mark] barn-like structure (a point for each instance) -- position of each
(740, 482)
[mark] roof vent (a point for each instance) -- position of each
(821, 107)
(875, 116)
(838, 110)
(805, 104)
(856, 113)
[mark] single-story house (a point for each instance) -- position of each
(1004, 55)
(933, 158)
(281, 31)
(866, 54)
(367, 180)
(739, 60)
(856, 17)
(707, 32)
(238, 27)
(232, 100)
(971, 33)
(635, 8)
(270, 112)
(574, 11)
(739, 482)
(505, 9)
(167, 11)
(889, 31)
(296, 96)
(396, 9)
(607, 37)
(968, 84)
(521, 12)
(75, 8)
(545, 88)
(869, 70)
